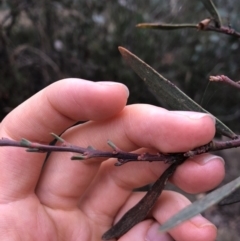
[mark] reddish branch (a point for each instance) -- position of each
(226, 80)
(122, 156)
(224, 30)
(90, 152)
(141, 209)
(207, 24)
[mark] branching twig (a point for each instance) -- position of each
(89, 152)
(224, 30)
(142, 208)
(122, 156)
(204, 25)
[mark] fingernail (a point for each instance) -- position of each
(205, 158)
(108, 83)
(201, 222)
(111, 83)
(153, 234)
(196, 115)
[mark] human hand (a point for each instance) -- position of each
(67, 200)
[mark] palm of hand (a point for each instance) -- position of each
(65, 200)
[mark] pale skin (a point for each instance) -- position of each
(70, 200)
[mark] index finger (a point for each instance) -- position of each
(53, 109)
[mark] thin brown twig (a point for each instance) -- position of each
(225, 79)
(204, 25)
(122, 156)
(223, 30)
(214, 146)
(89, 152)
(143, 207)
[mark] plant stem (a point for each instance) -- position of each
(142, 208)
(225, 79)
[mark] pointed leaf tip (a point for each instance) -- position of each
(78, 158)
(112, 145)
(57, 137)
(201, 205)
(169, 92)
(25, 142)
(123, 51)
(209, 5)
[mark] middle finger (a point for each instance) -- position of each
(63, 181)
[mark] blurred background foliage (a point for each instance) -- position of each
(44, 41)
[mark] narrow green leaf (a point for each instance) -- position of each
(112, 145)
(78, 158)
(201, 205)
(164, 26)
(25, 142)
(209, 5)
(57, 137)
(168, 92)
